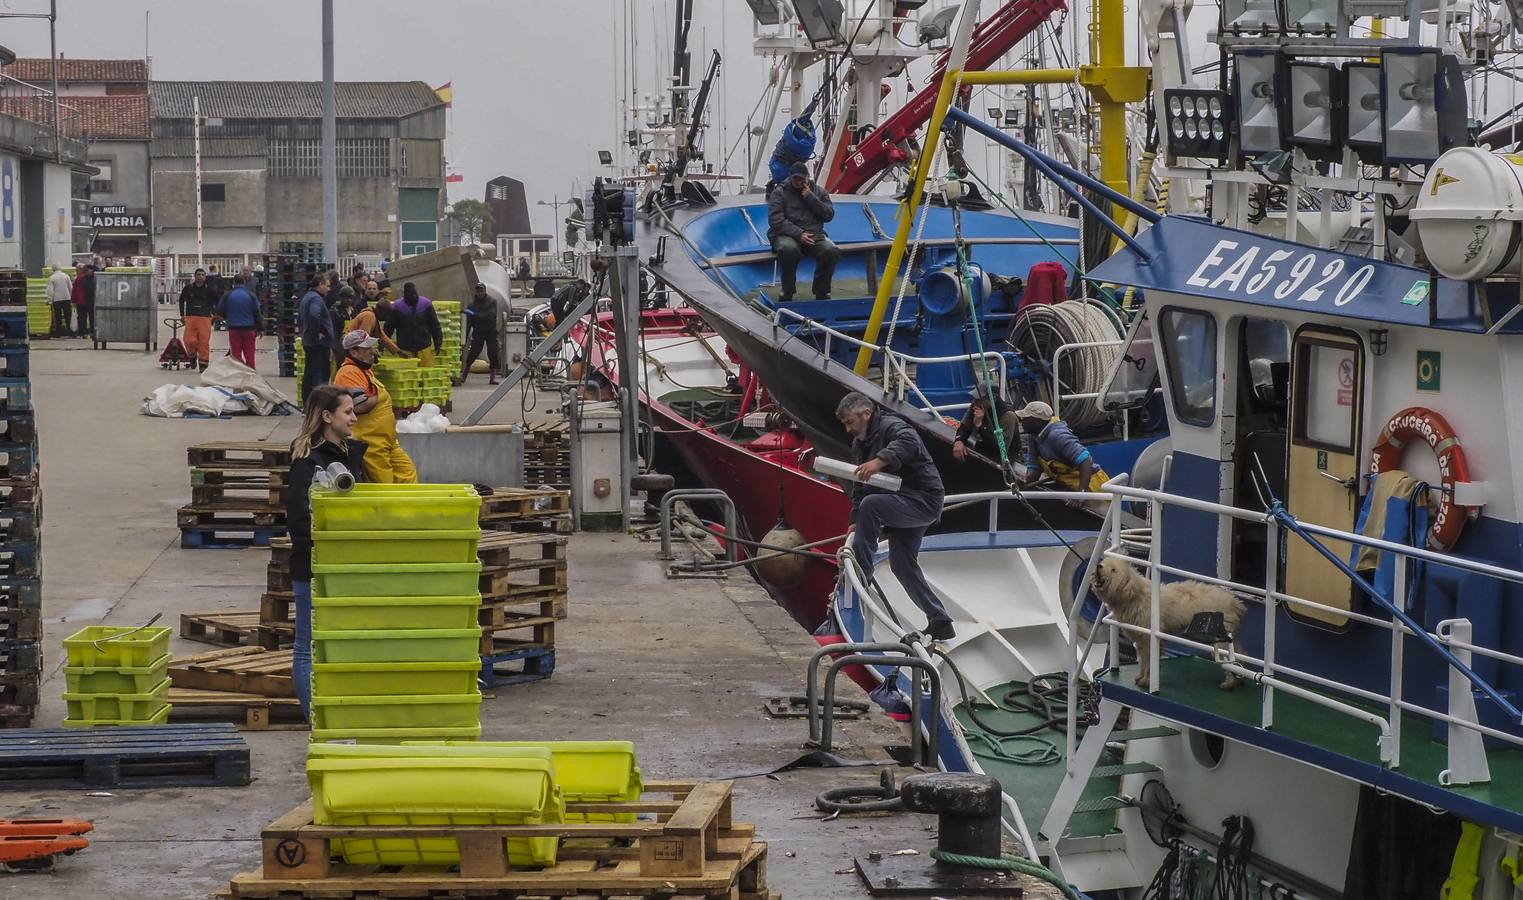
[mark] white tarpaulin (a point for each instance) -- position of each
(228, 387)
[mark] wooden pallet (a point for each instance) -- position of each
(530, 662)
(548, 525)
(238, 475)
(230, 517)
(241, 670)
(277, 608)
(21, 689)
(239, 455)
(276, 635)
(250, 712)
(224, 629)
(17, 715)
(149, 756)
(687, 846)
(518, 628)
(251, 497)
(523, 503)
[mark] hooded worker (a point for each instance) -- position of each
(385, 460)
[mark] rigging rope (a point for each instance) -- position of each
(965, 276)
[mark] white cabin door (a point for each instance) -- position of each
(1327, 390)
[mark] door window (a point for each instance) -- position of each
(1189, 343)
(1328, 377)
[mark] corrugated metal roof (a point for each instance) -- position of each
(39, 70)
(210, 147)
(291, 99)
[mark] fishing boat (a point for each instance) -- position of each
(1356, 495)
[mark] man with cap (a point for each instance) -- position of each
(376, 424)
(1053, 450)
(797, 211)
(481, 314)
(976, 431)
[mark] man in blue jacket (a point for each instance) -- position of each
(239, 308)
(883, 442)
(317, 338)
(797, 211)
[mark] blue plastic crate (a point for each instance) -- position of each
(20, 594)
(15, 362)
(13, 326)
(18, 460)
(15, 394)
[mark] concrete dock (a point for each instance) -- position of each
(679, 667)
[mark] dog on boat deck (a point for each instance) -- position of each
(1129, 595)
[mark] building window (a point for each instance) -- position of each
(213, 193)
(357, 158)
(1189, 342)
(402, 159)
(101, 184)
(499, 192)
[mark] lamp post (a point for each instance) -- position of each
(557, 203)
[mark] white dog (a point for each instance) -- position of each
(1129, 596)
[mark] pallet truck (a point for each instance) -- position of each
(34, 845)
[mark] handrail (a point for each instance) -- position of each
(1274, 674)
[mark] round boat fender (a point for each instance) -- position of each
(1417, 423)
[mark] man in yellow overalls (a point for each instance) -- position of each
(1053, 451)
(385, 460)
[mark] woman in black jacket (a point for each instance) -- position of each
(325, 438)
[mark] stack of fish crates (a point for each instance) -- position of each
(403, 379)
(284, 288)
(20, 528)
(39, 313)
(438, 381)
(116, 676)
(395, 594)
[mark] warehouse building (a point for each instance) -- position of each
(260, 161)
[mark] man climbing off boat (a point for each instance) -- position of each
(1053, 451)
(797, 212)
(883, 442)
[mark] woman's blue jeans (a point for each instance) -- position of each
(301, 651)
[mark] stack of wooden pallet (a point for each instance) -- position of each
(526, 509)
(547, 458)
(20, 521)
(687, 846)
(236, 489)
(248, 685)
(523, 592)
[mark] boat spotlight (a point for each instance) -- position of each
(1197, 122)
(821, 20)
(766, 12)
(1249, 16)
(1310, 108)
(1423, 97)
(1361, 109)
(1256, 98)
(1312, 16)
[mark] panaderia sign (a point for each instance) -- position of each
(118, 218)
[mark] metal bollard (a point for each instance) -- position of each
(967, 809)
(671, 497)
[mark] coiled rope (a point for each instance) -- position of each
(1007, 864)
(1040, 329)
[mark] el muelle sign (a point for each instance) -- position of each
(117, 217)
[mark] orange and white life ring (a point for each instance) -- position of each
(1417, 423)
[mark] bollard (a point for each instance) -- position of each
(967, 806)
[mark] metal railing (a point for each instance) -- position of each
(35, 104)
(894, 374)
(1466, 756)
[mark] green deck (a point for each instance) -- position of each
(1033, 786)
(1327, 738)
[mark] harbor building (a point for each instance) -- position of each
(44, 170)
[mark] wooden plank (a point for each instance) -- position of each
(224, 629)
(702, 808)
(248, 670)
(255, 712)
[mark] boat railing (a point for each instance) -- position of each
(895, 377)
(1450, 639)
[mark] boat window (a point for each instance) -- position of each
(1326, 373)
(1134, 375)
(1189, 342)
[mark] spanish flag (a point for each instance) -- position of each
(446, 92)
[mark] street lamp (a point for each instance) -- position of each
(557, 203)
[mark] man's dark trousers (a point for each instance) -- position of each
(316, 373)
(905, 518)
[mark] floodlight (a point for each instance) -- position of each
(1361, 109)
(1239, 16)
(937, 26)
(821, 20)
(1012, 118)
(1310, 114)
(1312, 16)
(766, 12)
(1196, 122)
(1423, 104)
(1256, 99)
(605, 157)
(996, 115)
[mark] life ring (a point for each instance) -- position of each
(1417, 423)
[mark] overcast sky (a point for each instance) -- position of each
(534, 82)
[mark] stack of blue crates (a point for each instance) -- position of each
(20, 528)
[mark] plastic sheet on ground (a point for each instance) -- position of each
(227, 387)
(427, 420)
